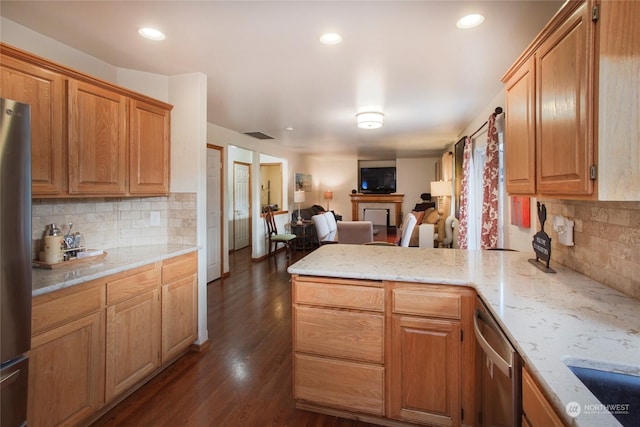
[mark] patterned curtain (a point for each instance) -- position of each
(489, 235)
(467, 168)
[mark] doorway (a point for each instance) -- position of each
(214, 212)
(241, 205)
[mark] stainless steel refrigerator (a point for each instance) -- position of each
(15, 260)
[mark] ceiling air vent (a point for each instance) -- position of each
(258, 135)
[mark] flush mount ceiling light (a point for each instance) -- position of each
(370, 120)
(330, 38)
(470, 21)
(151, 33)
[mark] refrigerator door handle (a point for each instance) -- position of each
(10, 378)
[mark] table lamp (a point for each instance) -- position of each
(298, 197)
(328, 195)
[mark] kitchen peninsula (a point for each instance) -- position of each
(551, 319)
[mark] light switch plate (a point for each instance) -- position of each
(155, 218)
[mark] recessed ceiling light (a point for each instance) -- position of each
(470, 21)
(331, 38)
(151, 33)
(288, 128)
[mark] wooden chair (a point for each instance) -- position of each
(275, 237)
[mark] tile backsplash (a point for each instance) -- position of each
(607, 241)
(118, 222)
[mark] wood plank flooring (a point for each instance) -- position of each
(245, 378)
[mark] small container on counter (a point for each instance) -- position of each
(54, 246)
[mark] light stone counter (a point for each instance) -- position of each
(550, 318)
(116, 261)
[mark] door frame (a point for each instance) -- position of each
(221, 201)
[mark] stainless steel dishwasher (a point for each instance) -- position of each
(500, 373)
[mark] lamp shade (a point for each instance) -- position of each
(328, 195)
(440, 188)
(298, 196)
(370, 120)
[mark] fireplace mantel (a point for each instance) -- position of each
(394, 198)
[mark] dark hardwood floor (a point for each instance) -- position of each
(245, 376)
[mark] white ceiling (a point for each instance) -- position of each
(267, 70)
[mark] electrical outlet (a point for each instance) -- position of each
(155, 218)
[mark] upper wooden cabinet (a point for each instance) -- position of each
(97, 140)
(520, 152)
(43, 90)
(564, 107)
(581, 122)
(149, 149)
(89, 137)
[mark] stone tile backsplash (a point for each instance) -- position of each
(606, 241)
(118, 222)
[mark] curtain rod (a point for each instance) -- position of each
(497, 111)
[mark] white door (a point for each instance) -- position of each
(214, 212)
(241, 205)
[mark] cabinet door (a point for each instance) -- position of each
(43, 91)
(520, 136)
(537, 411)
(149, 149)
(133, 341)
(66, 373)
(425, 371)
(564, 132)
(97, 140)
(179, 316)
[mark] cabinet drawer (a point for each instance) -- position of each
(177, 267)
(340, 384)
(432, 303)
(344, 334)
(352, 294)
(136, 282)
(55, 308)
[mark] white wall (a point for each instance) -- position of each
(336, 174)
(414, 177)
(23, 38)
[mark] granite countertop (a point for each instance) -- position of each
(550, 318)
(116, 261)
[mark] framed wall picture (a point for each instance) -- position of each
(303, 182)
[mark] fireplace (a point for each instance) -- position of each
(392, 202)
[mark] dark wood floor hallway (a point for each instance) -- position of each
(245, 377)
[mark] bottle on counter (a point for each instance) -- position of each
(53, 246)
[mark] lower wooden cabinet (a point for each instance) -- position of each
(66, 361)
(425, 371)
(339, 344)
(179, 304)
(133, 329)
(91, 343)
(429, 355)
(386, 352)
(537, 411)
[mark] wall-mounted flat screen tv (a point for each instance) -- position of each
(379, 180)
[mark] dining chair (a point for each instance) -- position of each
(408, 225)
(275, 237)
(355, 232)
(324, 233)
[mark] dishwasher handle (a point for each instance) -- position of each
(504, 366)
